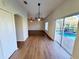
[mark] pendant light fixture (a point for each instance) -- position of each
(39, 19)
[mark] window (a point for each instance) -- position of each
(46, 26)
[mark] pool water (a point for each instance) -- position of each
(71, 36)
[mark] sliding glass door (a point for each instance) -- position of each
(58, 31)
(65, 33)
(70, 31)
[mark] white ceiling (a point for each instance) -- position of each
(46, 7)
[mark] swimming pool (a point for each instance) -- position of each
(71, 36)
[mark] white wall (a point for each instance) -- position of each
(7, 34)
(7, 26)
(36, 25)
(67, 8)
(51, 28)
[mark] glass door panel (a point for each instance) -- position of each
(69, 36)
(58, 30)
(65, 33)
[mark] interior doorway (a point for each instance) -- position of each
(19, 27)
(19, 30)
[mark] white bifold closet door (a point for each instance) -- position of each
(7, 34)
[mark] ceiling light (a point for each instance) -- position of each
(39, 19)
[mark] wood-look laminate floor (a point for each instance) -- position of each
(40, 47)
